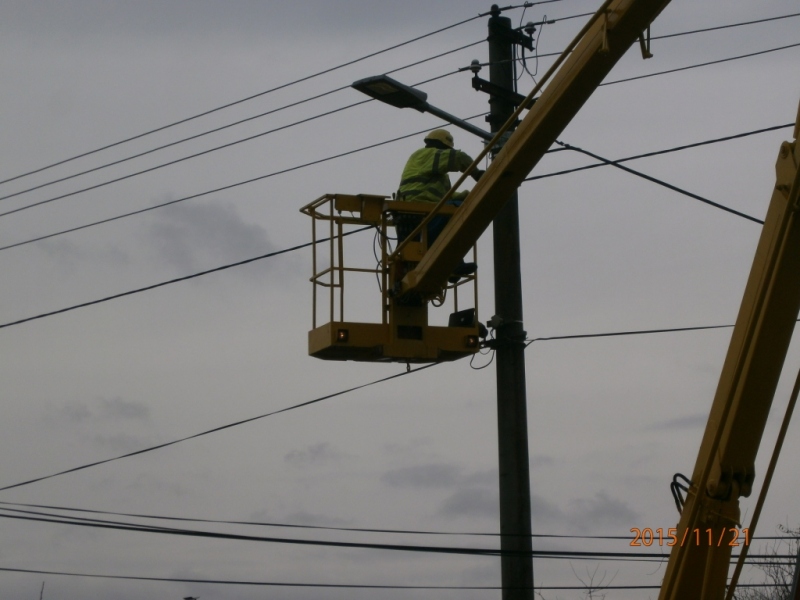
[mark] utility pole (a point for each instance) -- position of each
(512, 414)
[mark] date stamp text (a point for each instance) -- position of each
(729, 536)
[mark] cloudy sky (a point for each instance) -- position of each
(611, 420)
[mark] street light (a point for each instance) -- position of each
(399, 95)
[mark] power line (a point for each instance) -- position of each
(660, 152)
(533, 178)
(457, 550)
(119, 526)
(230, 425)
(319, 527)
(215, 429)
(343, 585)
(223, 127)
(636, 556)
(220, 189)
(70, 230)
(300, 246)
(705, 64)
(661, 182)
(170, 281)
(210, 150)
(717, 28)
(327, 113)
(293, 104)
(228, 105)
(182, 159)
(624, 333)
(342, 529)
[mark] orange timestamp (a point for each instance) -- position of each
(727, 536)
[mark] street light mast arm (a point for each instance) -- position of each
(461, 123)
(390, 91)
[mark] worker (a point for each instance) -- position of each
(425, 179)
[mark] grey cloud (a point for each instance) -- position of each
(423, 476)
(542, 460)
(121, 442)
(315, 454)
(410, 447)
(150, 484)
(117, 408)
(471, 502)
(602, 513)
(198, 235)
(68, 254)
(102, 409)
(153, 20)
(545, 511)
(306, 518)
(488, 477)
(436, 475)
(75, 413)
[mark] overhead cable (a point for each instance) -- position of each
(456, 550)
(637, 556)
(661, 182)
(228, 105)
(171, 281)
(210, 150)
(229, 125)
(228, 426)
(216, 429)
(341, 529)
(317, 527)
(182, 159)
(269, 255)
(340, 585)
(345, 87)
(119, 526)
(124, 215)
(718, 27)
(623, 333)
(705, 64)
(327, 113)
(726, 138)
(223, 188)
(220, 189)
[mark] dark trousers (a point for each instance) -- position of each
(405, 223)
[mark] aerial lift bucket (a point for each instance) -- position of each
(403, 333)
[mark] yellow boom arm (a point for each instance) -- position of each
(724, 470)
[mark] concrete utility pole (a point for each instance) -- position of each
(512, 414)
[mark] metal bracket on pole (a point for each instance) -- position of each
(644, 44)
(510, 97)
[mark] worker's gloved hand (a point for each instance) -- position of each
(477, 174)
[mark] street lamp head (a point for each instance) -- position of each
(394, 93)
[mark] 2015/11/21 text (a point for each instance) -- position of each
(729, 536)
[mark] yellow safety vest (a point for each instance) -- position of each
(425, 176)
